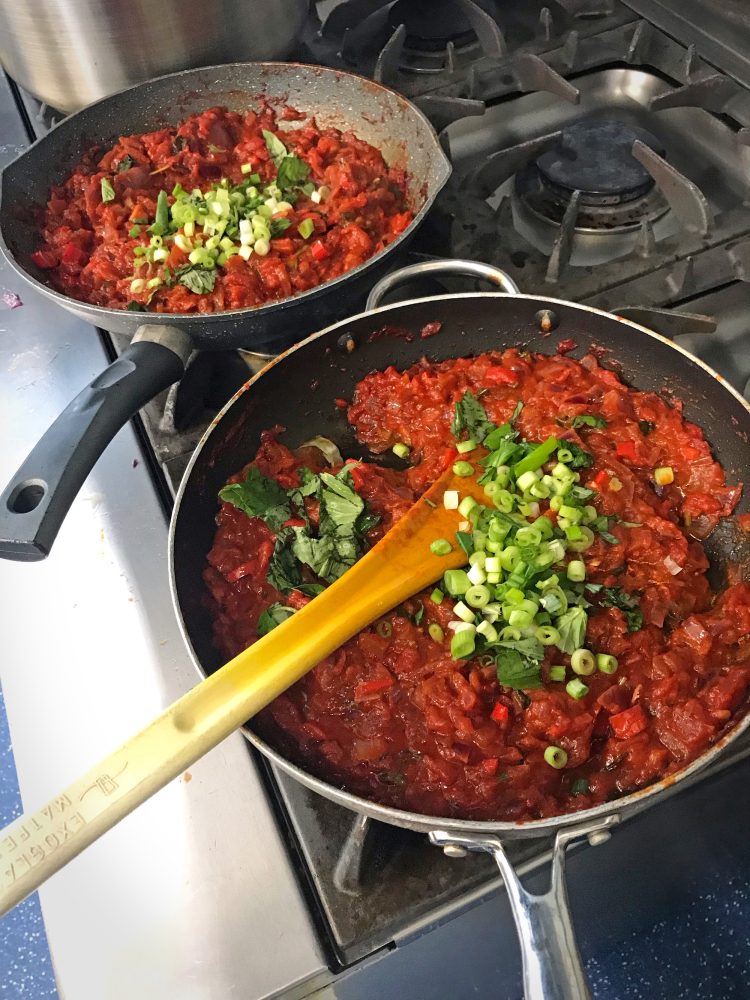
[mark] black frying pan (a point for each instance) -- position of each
(35, 502)
(324, 368)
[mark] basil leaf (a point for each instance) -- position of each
(514, 671)
(311, 589)
(579, 787)
(283, 571)
(125, 163)
(572, 628)
(275, 147)
(342, 505)
(470, 416)
(418, 615)
(588, 420)
(200, 280)
(136, 307)
(292, 172)
(273, 616)
(581, 459)
(278, 226)
(616, 597)
(259, 496)
(108, 192)
(466, 542)
(530, 648)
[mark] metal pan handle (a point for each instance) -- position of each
(552, 966)
(466, 268)
(34, 504)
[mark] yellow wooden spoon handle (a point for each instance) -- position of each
(401, 564)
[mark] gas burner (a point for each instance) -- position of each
(430, 26)
(593, 164)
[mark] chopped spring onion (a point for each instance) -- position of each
(462, 645)
(537, 458)
(556, 757)
(582, 661)
(487, 630)
(576, 570)
(466, 506)
(437, 596)
(463, 469)
(108, 192)
(463, 447)
(400, 450)
(557, 673)
(456, 582)
(606, 664)
(306, 228)
(435, 632)
(664, 475)
(450, 500)
(137, 285)
(478, 596)
(441, 547)
(576, 689)
(547, 635)
(477, 575)
(464, 613)
(246, 168)
(384, 629)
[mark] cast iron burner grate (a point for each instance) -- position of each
(592, 163)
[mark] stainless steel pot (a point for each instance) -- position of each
(70, 53)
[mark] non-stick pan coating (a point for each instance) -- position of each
(298, 392)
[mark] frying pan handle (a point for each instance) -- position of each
(552, 966)
(431, 268)
(34, 504)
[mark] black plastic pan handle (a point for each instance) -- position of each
(34, 504)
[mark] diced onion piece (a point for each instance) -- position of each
(327, 447)
(673, 567)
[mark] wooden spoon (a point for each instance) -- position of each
(38, 844)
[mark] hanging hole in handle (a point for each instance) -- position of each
(27, 496)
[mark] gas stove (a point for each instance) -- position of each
(596, 157)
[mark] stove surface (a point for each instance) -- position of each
(530, 100)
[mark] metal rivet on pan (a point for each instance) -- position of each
(599, 837)
(346, 343)
(547, 320)
(454, 851)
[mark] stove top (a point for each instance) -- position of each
(596, 158)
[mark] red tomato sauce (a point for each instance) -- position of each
(395, 719)
(88, 252)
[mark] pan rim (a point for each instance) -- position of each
(420, 821)
(99, 315)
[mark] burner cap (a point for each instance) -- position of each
(594, 157)
(431, 24)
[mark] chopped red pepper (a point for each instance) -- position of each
(626, 449)
(690, 454)
(489, 765)
(500, 712)
(294, 522)
(601, 480)
(73, 254)
(356, 472)
(449, 457)
(628, 723)
(318, 250)
(341, 403)
(45, 259)
(566, 345)
(244, 569)
(265, 551)
(498, 375)
(368, 688)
